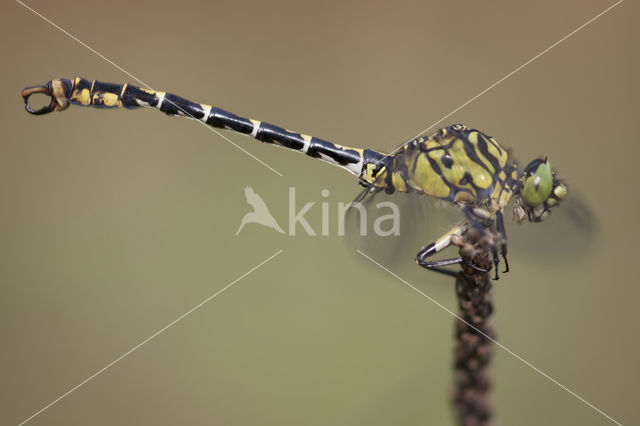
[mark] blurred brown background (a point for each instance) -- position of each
(114, 223)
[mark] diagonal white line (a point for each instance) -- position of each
(148, 339)
(147, 86)
(516, 356)
(504, 78)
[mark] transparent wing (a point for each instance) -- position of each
(391, 228)
(567, 235)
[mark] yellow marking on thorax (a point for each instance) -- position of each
(505, 197)
(425, 178)
(497, 151)
(398, 182)
(473, 139)
(432, 144)
(496, 191)
(463, 164)
(500, 196)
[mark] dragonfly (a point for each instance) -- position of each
(456, 164)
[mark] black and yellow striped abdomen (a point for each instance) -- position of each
(97, 94)
(456, 164)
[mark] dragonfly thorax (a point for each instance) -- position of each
(467, 167)
(455, 164)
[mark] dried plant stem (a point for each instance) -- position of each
(473, 350)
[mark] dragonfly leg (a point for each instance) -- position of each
(503, 243)
(437, 265)
(496, 261)
(440, 244)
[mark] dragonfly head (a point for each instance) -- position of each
(540, 190)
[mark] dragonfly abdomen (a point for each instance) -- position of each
(83, 92)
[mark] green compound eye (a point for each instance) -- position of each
(538, 185)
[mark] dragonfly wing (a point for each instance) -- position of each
(567, 235)
(391, 228)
